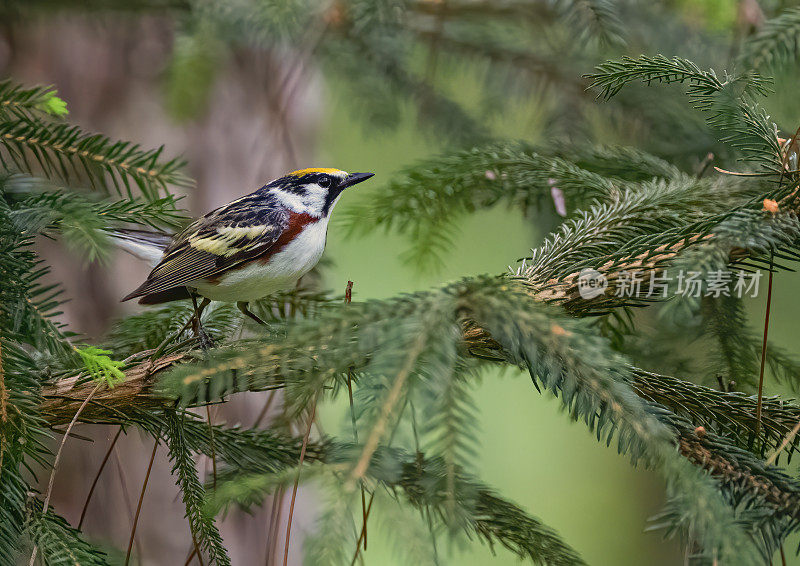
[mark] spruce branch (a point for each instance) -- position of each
(60, 544)
(521, 61)
(28, 308)
(19, 102)
(491, 518)
(612, 76)
(728, 101)
(386, 57)
(258, 461)
(547, 345)
(776, 43)
(534, 13)
(14, 491)
(203, 527)
(52, 209)
(387, 408)
(67, 153)
(598, 18)
(422, 482)
(728, 414)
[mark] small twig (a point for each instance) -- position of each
(764, 352)
(97, 476)
(272, 530)
(213, 452)
(126, 494)
(787, 439)
(348, 298)
(372, 495)
(348, 293)
(297, 480)
(427, 510)
(705, 164)
(386, 411)
(436, 37)
(3, 408)
(265, 410)
(191, 555)
(363, 529)
(196, 548)
(58, 459)
(139, 505)
(783, 556)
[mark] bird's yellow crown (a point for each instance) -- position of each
(328, 170)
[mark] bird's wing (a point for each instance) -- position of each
(224, 238)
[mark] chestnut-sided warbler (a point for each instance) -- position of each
(250, 248)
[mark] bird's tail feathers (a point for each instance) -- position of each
(144, 244)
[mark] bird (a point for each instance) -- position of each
(245, 250)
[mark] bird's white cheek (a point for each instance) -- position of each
(312, 201)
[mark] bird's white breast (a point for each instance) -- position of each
(259, 279)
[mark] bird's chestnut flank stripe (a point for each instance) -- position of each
(297, 222)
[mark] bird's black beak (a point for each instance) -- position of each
(354, 179)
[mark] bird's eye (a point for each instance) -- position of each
(324, 182)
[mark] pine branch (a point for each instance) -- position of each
(82, 222)
(18, 102)
(612, 76)
(202, 526)
(423, 482)
(13, 500)
(448, 417)
(748, 479)
(476, 44)
(54, 208)
(492, 518)
(60, 544)
(28, 308)
(410, 532)
(776, 43)
(594, 18)
(621, 162)
(334, 342)
(728, 101)
(288, 456)
(67, 153)
(335, 532)
(731, 415)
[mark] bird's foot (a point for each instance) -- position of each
(205, 339)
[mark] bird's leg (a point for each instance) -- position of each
(160, 348)
(242, 305)
(205, 340)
